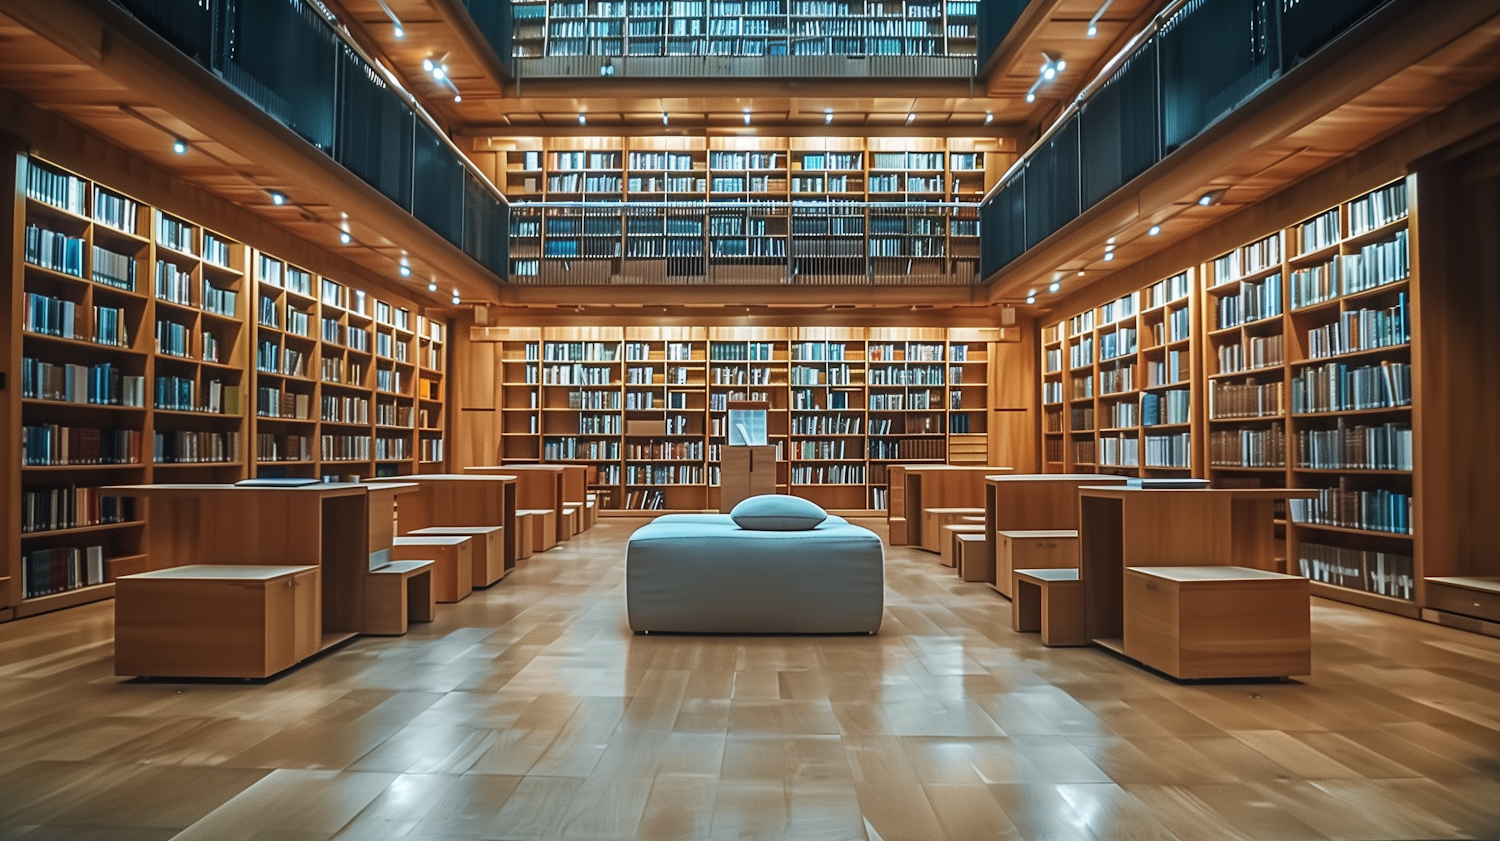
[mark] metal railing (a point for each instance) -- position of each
(1196, 63)
(745, 243)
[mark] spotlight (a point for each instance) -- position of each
(455, 297)
(1094, 21)
(583, 119)
(439, 72)
(277, 198)
(663, 118)
(457, 98)
(989, 117)
(1110, 241)
(405, 271)
(1031, 299)
(909, 117)
(1056, 285)
(827, 116)
(179, 146)
(1061, 65)
(1093, 30)
(345, 238)
(1049, 72)
(1211, 197)
(399, 32)
(1030, 97)
(1155, 229)
(1080, 273)
(747, 116)
(1109, 256)
(431, 286)
(427, 65)
(1108, 249)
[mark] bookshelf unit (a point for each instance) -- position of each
(645, 407)
(150, 349)
(1304, 341)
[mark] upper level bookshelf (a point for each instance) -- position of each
(646, 406)
(663, 37)
(1290, 364)
(154, 349)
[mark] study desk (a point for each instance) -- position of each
(343, 529)
(1122, 526)
(915, 487)
(461, 499)
(537, 486)
(1030, 502)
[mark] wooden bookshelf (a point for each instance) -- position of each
(133, 320)
(1272, 325)
(645, 407)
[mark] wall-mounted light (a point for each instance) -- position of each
(278, 198)
(179, 146)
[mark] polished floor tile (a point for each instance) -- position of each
(529, 711)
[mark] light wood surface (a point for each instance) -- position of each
(460, 499)
(453, 562)
(949, 541)
(543, 526)
(1033, 549)
(1218, 621)
(745, 472)
(933, 486)
(968, 553)
(216, 621)
(488, 548)
(538, 486)
(935, 520)
(397, 594)
(529, 711)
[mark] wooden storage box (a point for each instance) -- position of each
(1218, 621)
(968, 448)
(488, 549)
(1475, 597)
(933, 520)
(453, 562)
(1033, 549)
(228, 621)
(950, 540)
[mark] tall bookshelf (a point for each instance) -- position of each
(646, 406)
(1303, 339)
(142, 346)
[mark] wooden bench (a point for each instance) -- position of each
(591, 511)
(949, 555)
(488, 549)
(525, 537)
(453, 562)
(572, 519)
(933, 520)
(1050, 601)
(1218, 621)
(543, 528)
(396, 594)
(969, 555)
(1034, 549)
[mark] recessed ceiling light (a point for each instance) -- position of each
(179, 146)
(1030, 299)
(1080, 274)
(989, 117)
(405, 271)
(910, 116)
(1211, 197)
(1108, 256)
(345, 238)
(1108, 248)
(431, 286)
(278, 198)
(827, 115)
(1111, 240)
(583, 119)
(664, 118)
(1155, 229)
(1056, 285)
(455, 297)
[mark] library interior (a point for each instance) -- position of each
(852, 420)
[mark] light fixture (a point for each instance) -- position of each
(1050, 68)
(747, 116)
(405, 270)
(457, 98)
(398, 31)
(1211, 197)
(827, 116)
(278, 198)
(345, 238)
(1056, 285)
(455, 297)
(989, 117)
(1108, 249)
(1080, 273)
(1031, 299)
(1109, 256)
(431, 286)
(910, 116)
(1094, 21)
(663, 118)
(583, 119)
(1110, 241)
(179, 146)
(1155, 229)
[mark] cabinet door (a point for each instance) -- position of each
(308, 609)
(281, 596)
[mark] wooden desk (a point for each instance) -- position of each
(343, 529)
(1030, 502)
(224, 621)
(913, 488)
(537, 486)
(461, 499)
(1121, 527)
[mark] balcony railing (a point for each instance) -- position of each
(745, 243)
(1198, 62)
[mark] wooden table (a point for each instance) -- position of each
(1030, 502)
(343, 529)
(537, 486)
(462, 499)
(1121, 526)
(915, 487)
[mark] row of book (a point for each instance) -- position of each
(1252, 354)
(1170, 407)
(392, 449)
(1386, 573)
(1117, 343)
(58, 189)
(71, 507)
(742, 376)
(431, 449)
(826, 424)
(344, 447)
(1361, 330)
(1255, 301)
(393, 414)
(173, 284)
(112, 269)
(60, 569)
(174, 234)
(271, 402)
(1119, 451)
(1171, 450)
(270, 446)
(1248, 260)
(51, 316)
(189, 447)
(1167, 370)
(1117, 380)
(1379, 509)
(1248, 447)
(1388, 446)
(908, 449)
(48, 445)
(836, 450)
(54, 250)
(1174, 326)
(665, 451)
(829, 474)
(1228, 401)
(574, 449)
(101, 384)
(345, 409)
(911, 375)
(664, 474)
(1337, 387)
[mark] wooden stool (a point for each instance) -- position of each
(949, 557)
(1050, 601)
(488, 547)
(1036, 549)
(396, 593)
(591, 511)
(968, 551)
(933, 520)
(525, 527)
(572, 520)
(1218, 621)
(543, 528)
(453, 562)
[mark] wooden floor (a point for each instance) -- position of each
(530, 712)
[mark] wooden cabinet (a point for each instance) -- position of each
(1034, 549)
(747, 472)
(1218, 621)
(216, 621)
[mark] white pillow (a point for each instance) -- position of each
(777, 512)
